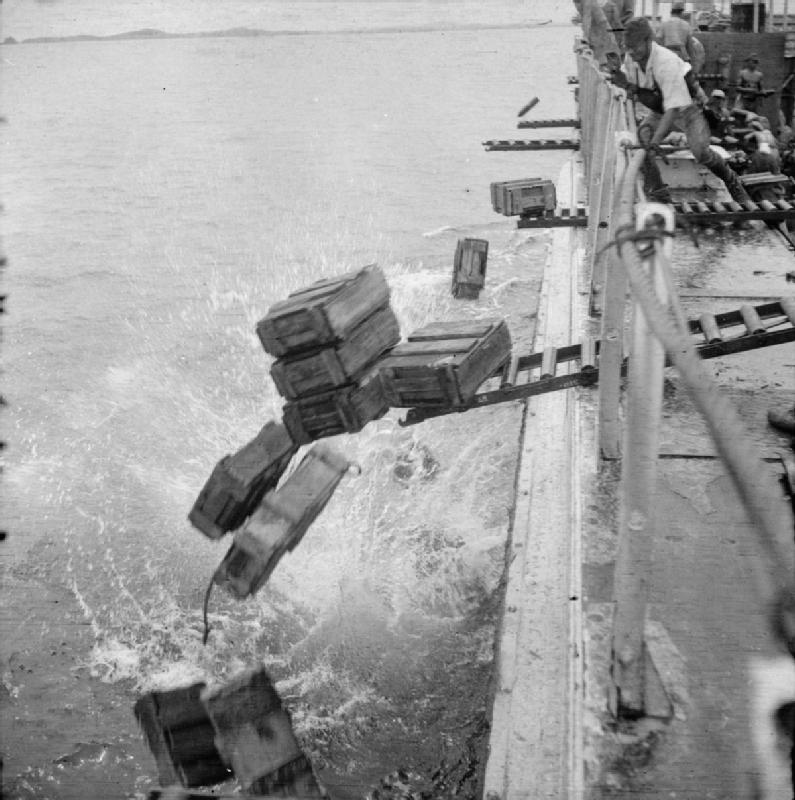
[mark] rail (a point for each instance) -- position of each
(628, 252)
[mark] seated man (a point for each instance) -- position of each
(651, 67)
(717, 114)
(763, 149)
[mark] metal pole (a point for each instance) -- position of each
(600, 203)
(611, 349)
(638, 480)
(756, 16)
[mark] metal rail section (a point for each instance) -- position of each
(618, 259)
(762, 326)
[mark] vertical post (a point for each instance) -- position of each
(786, 15)
(596, 171)
(600, 199)
(611, 349)
(756, 16)
(638, 478)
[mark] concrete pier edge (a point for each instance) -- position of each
(536, 744)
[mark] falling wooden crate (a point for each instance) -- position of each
(529, 196)
(254, 732)
(239, 482)
(469, 267)
(280, 522)
(444, 363)
(181, 736)
(323, 313)
(344, 410)
(329, 368)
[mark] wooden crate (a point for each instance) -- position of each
(254, 732)
(344, 410)
(181, 736)
(528, 196)
(444, 363)
(323, 313)
(499, 196)
(281, 521)
(331, 367)
(469, 268)
(239, 482)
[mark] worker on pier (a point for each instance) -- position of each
(675, 34)
(749, 85)
(763, 149)
(718, 116)
(656, 72)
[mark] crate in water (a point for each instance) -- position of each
(527, 197)
(181, 736)
(444, 363)
(239, 482)
(344, 410)
(326, 369)
(280, 522)
(254, 732)
(469, 267)
(323, 313)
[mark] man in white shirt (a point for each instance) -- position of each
(653, 68)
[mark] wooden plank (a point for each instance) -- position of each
(453, 329)
(423, 348)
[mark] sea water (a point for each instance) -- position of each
(159, 195)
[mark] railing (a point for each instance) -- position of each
(619, 260)
(606, 120)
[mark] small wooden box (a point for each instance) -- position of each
(344, 410)
(444, 363)
(181, 736)
(331, 367)
(323, 313)
(499, 198)
(254, 732)
(238, 482)
(469, 267)
(524, 197)
(281, 521)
